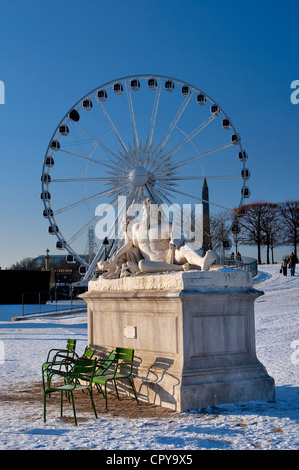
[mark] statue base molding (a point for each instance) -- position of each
(193, 334)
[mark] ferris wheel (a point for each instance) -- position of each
(136, 137)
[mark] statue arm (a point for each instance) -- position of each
(123, 251)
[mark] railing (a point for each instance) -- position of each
(43, 298)
(245, 264)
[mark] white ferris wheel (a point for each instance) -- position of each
(135, 137)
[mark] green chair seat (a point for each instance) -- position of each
(119, 367)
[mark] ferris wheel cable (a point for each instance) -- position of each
(160, 157)
(88, 158)
(77, 180)
(151, 129)
(191, 136)
(179, 178)
(81, 231)
(99, 142)
(85, 200)
(201, 155)
(123, 162)
(132, 115)
(128, 158)
(116, 131)
(174, 122)
(87, 225)
(97, 256)
(161, 195)
(200, 199)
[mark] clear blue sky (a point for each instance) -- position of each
(244, 55)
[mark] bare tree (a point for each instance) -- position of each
(290, 215)
(272, 228)
(23, 264)
(219, 227)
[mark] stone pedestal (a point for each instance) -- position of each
(193, 334)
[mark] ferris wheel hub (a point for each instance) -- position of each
(138, 176)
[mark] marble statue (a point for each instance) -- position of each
(150, 248)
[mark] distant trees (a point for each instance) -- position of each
(268, 224)
(290, 214)
(220, 227)
(23, 264)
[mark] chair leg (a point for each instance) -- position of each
(61, 404)
(74, 411)
(116, 389)
(92, 402)
(134, 391)
(106, 396)
(44, 407)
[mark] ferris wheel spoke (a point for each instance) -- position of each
(85, 200)
(133, 120)
(89, 224)
(116, 131)
(77, 180)
(199, 199)
(151, 129)
(187, 178)
(202, 155)
(174, 122)
(191, 136)
(88, 159)
(81, 231)
(96, 139)
(158, 195)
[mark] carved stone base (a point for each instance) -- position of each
(193, 335)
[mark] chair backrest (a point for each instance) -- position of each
(125, 359)
(88, 353)
(71, 344)
(84, 369)
(103, 365)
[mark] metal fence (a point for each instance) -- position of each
(244, 263)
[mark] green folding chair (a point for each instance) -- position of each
(119, 367)
(83, 370)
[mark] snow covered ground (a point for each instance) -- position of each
(249, 425)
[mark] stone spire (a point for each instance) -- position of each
(206, 236)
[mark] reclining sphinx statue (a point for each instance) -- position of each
(152, 249)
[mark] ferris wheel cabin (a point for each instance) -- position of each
(201, 99)
(245, 192)
(135, 84)
(118, 88)
(102, 95)
(87, 104)
(169, 85)
(186, 90)
(74, 115)
(152, 83)
(64, 130)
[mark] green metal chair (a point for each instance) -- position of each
(58, 356)
(83, 370)
(63, 368)
(119, 367)
(59, 360)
